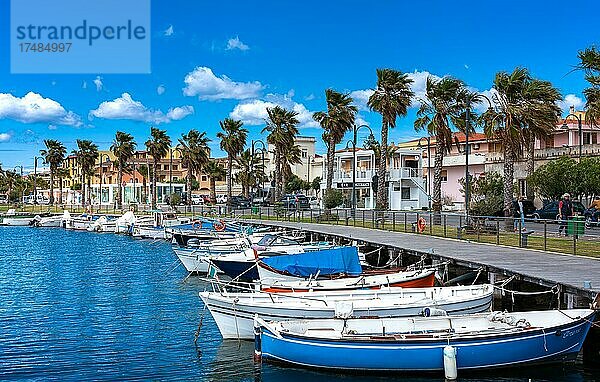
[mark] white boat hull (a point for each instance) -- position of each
(234, 313)
(17, 221)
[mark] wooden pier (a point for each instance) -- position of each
(574, 275)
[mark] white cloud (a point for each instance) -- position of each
(52, 127)
(4, 137)
(255, 112)
(84, 85)
(203, 83)
(571, 100)
(160, 89)
(361, 97)
(466, 66)
(169, 31)
(98, 83)
(236, 43)
(126, 107)
(309, 97)
(33, 108)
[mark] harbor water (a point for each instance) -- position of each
(88, 306)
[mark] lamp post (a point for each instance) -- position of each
(23, 190)
(262, 149)
(354, 141)
(579, 126)
(311, 159)
(101, 176)
(467, 150)
(428, 139)
(171, 151)
(35, 160)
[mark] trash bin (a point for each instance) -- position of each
(576, 226)
(255, 210)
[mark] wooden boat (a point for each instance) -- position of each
(476, 341)
(234, 312)
(419, 278)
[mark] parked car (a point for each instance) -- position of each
(550, 210)
(197, 199)
(221, 198)
(299, 202)
(239, 202)
(3, 199)
(314, 203)
(528, 209)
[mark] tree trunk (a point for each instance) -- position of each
(530, 166)
(381, 171)
(277, 193)
(52, 186)
(144, 184)
(188, 185)
(330, 163)
(213, 188)
(283, 181)
(89, 189)
(120, 186)
(153, 186)
(436, 202)
(229, 176)
(83, 191)
(60, 191)
(508, 184)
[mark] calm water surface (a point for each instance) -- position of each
(87, 306)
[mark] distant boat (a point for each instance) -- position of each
(234, 312)
(13, 219)
(103, 224)
(52, 221)
(477, 341)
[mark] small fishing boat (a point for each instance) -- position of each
(234, 312)
(80, 223)
(453, 343)
(51, 221)
(11, 218)
(196, 256)
(418, 278)
(102, 224)
(124, 223)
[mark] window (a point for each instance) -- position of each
(174, 167)
(166, 167)
(405, 193)
(175, 179)
(522, 187)
(304, 154)
(204, 178)
(587, 138)
(444, 175)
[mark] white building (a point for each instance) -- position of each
(406, 190)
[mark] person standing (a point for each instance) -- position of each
(565, 212)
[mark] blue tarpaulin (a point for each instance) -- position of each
(325, 262)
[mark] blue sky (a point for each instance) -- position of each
(211, 60)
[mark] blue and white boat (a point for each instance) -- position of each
(474, 341)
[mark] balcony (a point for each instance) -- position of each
(394, 174)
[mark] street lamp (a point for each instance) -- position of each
(23, 190)
(467, 150)
(354, 141)
(101, 175)
(262, 149)
(171, 151)
(565, 126)
(311, 159)
(35, 161)
(419, 146)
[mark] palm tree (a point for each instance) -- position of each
(194, 156)
(233, 139)
(444, 104)
(215, 172)
(291, 156)
(521, 101)
(145, 173)
(590, 64)
(158, 146)
(391, 99)
(53, 154)
(123, 148)
(250, 173)
(87, 154)
(542, 95)
(61, 173)
(336, 121)
(281, 124)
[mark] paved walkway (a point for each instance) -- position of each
(538, 266)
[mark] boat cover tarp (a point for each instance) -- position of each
(325, 262)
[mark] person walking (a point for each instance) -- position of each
(565, 212)
(521, 212)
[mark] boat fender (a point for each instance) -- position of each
(432, 312)
(450, 369)
(257, 341)
(421, 225)
(195, 224)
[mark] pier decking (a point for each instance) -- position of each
(544, 268)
